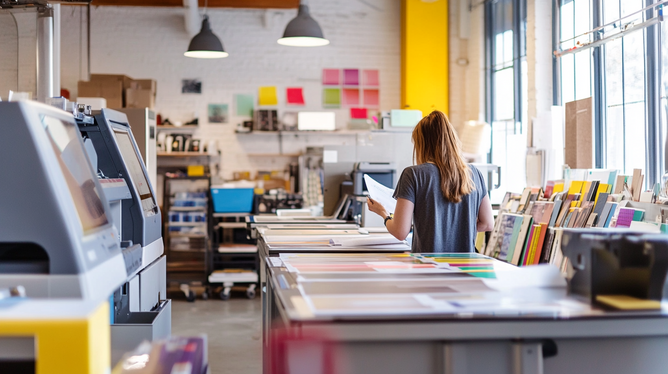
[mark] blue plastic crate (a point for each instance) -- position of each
(232, 200)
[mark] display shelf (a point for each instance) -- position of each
(188, 208)
(232, 225)
(177, 128)
(220, 215)
(182, 154)
(273, 154)
(187, 224)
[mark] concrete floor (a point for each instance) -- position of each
(233, 327)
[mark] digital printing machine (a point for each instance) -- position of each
(468, 313)
(57, 237)
(60, 221)
(140, 223)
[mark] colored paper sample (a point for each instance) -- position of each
(295, 95)
(371, 98)
(358, 113)
(370, 78)
(218, 113)
(351, 97)
(267, 96)
(331, 97)
(244, 105)
(351, 77)
(331, 77)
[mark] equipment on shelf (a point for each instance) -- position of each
(269, 203)
(617, 262)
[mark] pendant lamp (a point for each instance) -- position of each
(205, 44)
(303, 30)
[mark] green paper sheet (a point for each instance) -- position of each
(244, 105)
(331, 97)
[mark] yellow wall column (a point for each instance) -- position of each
(424, 55)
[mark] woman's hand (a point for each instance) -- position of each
(377, 208)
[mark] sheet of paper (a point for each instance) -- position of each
(358, 113)
(380, 193)
(244, 105)
(295, 95)
(351, 77)
(267, 96)
(351, 96)
(370, 78)
(331, 97)
(331, 77)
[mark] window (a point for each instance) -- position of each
(507, 91)
(626, 136)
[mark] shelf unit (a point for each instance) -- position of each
(229, 231)
(187, 253)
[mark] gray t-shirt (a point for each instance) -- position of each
(439, 225)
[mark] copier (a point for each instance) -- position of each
(57, 237)
(113, 151)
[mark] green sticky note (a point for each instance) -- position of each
(331, 97)
(244, 105)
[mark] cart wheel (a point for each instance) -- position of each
(191, 296)
(224, 296)
(250, 293)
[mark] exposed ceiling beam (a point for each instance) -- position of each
(285, 4)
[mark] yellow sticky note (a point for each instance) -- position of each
(267, 96)
(624, 302)
(195, 170)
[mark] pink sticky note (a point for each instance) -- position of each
(295, 95)
(351, 97)
(331, 77)
(351, 77)
(371, 98)
(370, 78)
(358, 113)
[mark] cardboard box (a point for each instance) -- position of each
(138, 98)
(144, 84)
(579, 134)
(127, 81)
(111, 90)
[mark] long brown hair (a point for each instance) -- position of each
(435, 141)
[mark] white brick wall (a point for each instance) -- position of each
(149, 43)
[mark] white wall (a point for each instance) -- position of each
(149, 43)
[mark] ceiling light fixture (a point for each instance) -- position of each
(303, 30)
(205, 44)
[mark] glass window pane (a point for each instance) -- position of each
(567, 78)
(504, 95)
(583, 74)
(610, 10)
(582, 21)
(614, 132)
(634, 67)
(631, 6)
(634, 137)
(566, 17)
(508, 46)
(525, 93)
(613, 73)
(509, 152)
(498, 49)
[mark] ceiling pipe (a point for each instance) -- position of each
(192, 17)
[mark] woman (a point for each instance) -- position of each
(445, 198)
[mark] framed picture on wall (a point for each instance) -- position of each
(193, 86)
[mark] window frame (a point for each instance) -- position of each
(655, 163)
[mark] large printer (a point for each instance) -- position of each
(117, 158)
(57, 238)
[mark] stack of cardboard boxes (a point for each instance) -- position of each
(120, 91)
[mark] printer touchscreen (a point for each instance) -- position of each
(64, 137)
(131, 159)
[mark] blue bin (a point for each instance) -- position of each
(232, 200)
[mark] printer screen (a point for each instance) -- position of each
(78, 173)
(131, 159)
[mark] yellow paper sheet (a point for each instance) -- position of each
(624, 302)
(267, 96)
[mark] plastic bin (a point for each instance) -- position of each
(232, 200)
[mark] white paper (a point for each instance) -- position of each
(365, 241)
(380, 193)
(541, 276)
(330, 157)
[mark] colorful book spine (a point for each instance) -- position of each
(527, 245)
(625, 217)
(541, 241)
